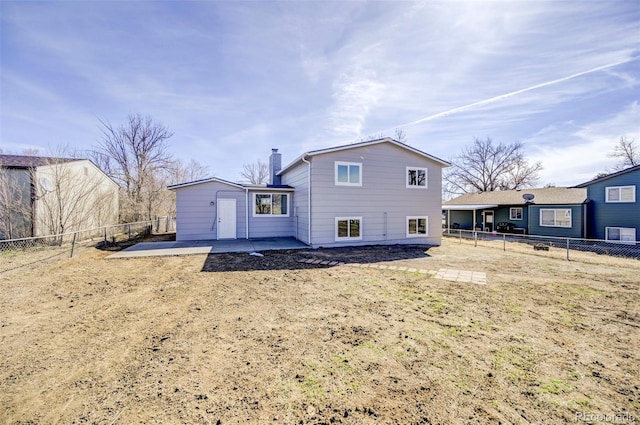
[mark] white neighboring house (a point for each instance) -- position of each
(46, 195)
(375, 192)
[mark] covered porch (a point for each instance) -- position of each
(470, 217)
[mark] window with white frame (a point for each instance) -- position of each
(515, 213)
(416, 177)
(559, 217)
(620, 194)
(348, 173)
(417, 226)
(622, 234)
(348, 228)
(271, 204)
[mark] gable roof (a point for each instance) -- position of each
(201, 181)
(278, 187)
(608, 176)
(25, 161)
(542, 196)
(298, 160)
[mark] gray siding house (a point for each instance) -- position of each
(555, 211)
(375, 192)
(614, 210)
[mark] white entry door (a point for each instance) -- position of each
(226, 218)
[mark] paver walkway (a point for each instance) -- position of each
(479, 278)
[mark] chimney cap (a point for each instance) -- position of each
(274, 150)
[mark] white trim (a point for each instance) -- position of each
(361, 144)
(348, 165)
(347, 238)
(271, 214)
(209, 180)
(567, 214)
(620, 200)
(426, 228)
(415, 186)
(512, 209)
(620, 229)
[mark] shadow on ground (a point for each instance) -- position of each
(290, 259)
(119, 245)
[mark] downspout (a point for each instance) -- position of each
(308, 197)
(584, 219)
(246, 213)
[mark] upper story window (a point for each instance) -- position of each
(271, 204)
(560, 217)
(417, 177)
(348, 173)
(515, 213)
(620, 194)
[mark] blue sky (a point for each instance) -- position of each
(235, 79)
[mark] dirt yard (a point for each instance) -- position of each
(232, 339)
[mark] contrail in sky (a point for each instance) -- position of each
(513, 93)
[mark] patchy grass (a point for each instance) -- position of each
(159, 340)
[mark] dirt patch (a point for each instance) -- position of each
(290, 259)
(157, 340)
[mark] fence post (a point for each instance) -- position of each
(475, 238)
(105, 236)
(460, 236)
(73, 243)
(504, 242)
(568, 249)
(129, 231)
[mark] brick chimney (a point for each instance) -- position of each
(275, 165)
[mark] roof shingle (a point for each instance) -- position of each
(542, 196)
(24, 161)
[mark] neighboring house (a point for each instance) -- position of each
(376, 192)
(44, 196)
(554, 211)
(614, 210)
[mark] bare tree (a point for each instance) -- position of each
(627, 152)
(401, 136)
(72, 195)
(180, 172)
(177, 172)
(484, 167)
(134, 155)
(256, 173)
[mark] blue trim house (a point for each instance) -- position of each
(614, 211)
(554, 211)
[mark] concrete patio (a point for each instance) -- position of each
(158, 249)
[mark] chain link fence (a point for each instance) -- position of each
(164, 224)
(549, 246)
(17, 253)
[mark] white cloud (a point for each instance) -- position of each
(572, 154)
